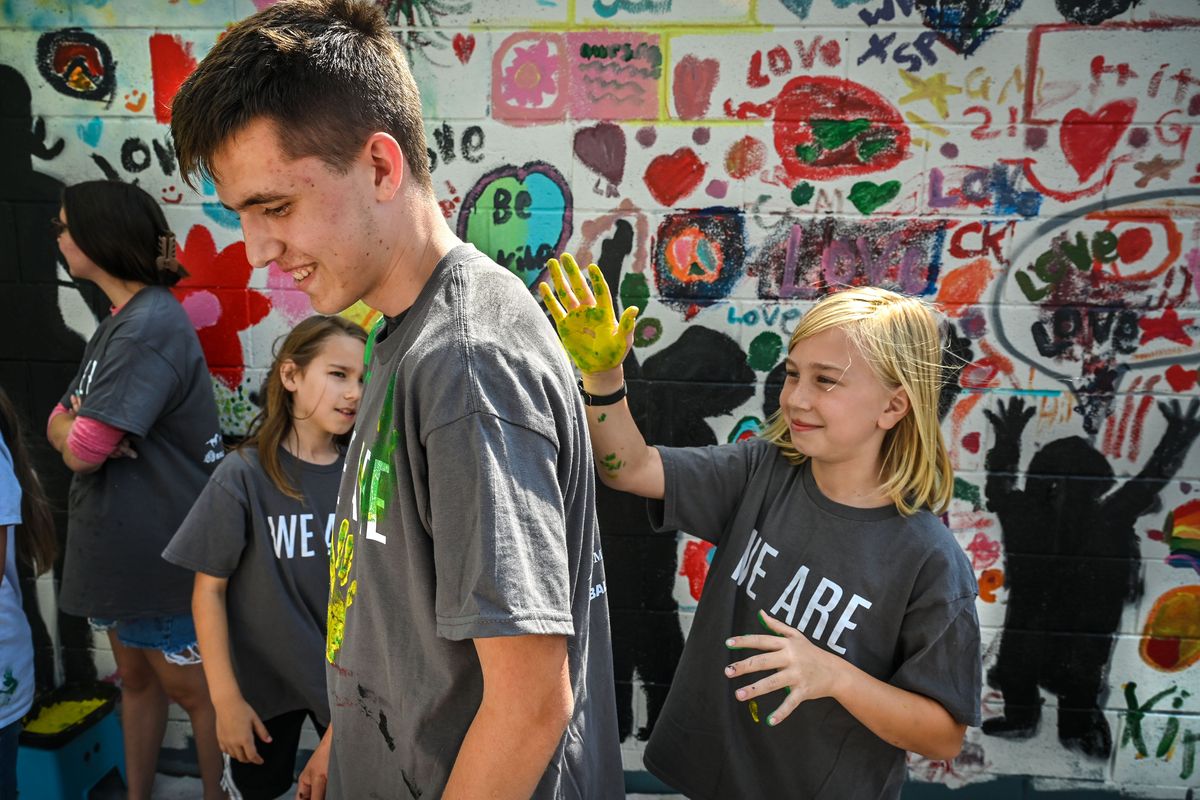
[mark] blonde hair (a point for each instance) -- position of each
(899, 337)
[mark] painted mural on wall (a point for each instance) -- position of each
(726, 162)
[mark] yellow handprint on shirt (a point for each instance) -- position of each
(587, 325)
(339, 573)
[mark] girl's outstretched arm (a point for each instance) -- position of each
(901, 718)
(597, 342)
(237, 722)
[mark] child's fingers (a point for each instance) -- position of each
(771, 683)
(784, 710)
(626, 323)
(575, 277)
(551, 302)
(560, 285)
(260, 730)
(775, 626)
(754, 642)
(758, 663)
(600, 290)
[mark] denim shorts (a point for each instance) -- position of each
(174, 636)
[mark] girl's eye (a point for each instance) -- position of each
(792, 375)
(826, 380)
(337, 373)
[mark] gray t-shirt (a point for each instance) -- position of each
(274, 550)
(143, 372)
(467, 510)
(893, 595)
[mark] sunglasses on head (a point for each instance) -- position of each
(58, 226)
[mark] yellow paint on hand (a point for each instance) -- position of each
(60, 716)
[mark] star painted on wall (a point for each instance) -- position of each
(1157, 167)
(1168, 326)
(935, 90)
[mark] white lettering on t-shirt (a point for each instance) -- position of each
(283, 533)
(284, 528)
(844, 623)
(823, 608)
(822, 603)
(790, 598)
(85, 380)
(598, 588)
(758, 571)
(305, 535)
(743, 566)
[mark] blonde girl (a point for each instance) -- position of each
(258, 540)
(837, 627)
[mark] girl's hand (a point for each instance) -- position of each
(237, 725)
(806, 671)
(124, 449)
(587, 325)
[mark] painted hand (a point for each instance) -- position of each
(1011, 419)
(593, 337)
(1183, 422)
(340, 597)
(806, 671)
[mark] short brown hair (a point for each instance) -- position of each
(329, 73)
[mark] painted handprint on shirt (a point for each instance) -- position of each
(340, 596)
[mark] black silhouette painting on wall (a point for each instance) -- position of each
(38, 351)
(703, 374)
(1071, 564)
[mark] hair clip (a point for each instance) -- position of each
(166, 260)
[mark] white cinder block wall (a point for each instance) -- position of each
(1028, 165)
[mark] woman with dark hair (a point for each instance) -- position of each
(138, 427)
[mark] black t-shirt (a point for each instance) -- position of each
(891, 594)
(143, 372)
(274, 550)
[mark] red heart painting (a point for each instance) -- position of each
(1181, 379)
(1088, 139)
(693, 86)
(672, 177)
(464, 46)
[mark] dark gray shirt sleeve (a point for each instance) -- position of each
(213, 535)
(131, 386)
(703, 487)
(938, 652)
(497, 521)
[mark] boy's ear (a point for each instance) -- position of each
(288, 372)
(387, 163)
(898, 405)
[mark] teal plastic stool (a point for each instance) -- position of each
(65, 765)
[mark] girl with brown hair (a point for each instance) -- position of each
(258, 540)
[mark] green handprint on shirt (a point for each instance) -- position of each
(340, 596)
